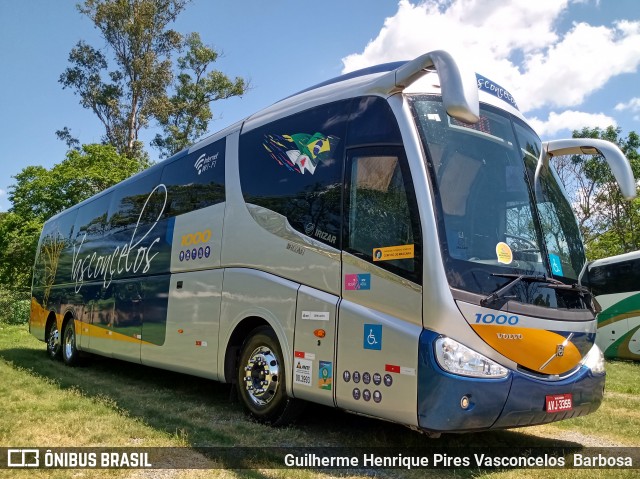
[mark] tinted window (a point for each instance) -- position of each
(621, 277)
(56, 237)
(197, 180)
(133, 203)
(372, 122)
(91, 221)
(293, 166)
(381, 216)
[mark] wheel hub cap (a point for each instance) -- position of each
(261, 376)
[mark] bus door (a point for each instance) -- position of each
(314, 346)
(380, 315)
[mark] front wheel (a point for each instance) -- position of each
(69, 349)
(261, 380)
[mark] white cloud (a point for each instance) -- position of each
(569, 121)
(632, 105)
(514, 42)
(2, 192)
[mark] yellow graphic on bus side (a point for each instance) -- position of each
(199, 237)
(104, 332)
(390, 253)
(39, 315)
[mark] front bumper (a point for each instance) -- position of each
(514, 401)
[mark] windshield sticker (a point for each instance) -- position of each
(556, 265)
(301, 152)
(504, 253)
(390, 253)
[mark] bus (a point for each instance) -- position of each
(615, 282)
(392, 242)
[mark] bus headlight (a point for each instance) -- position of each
(594, 360)
(456, 358)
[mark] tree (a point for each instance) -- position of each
(40, 193)
(129, 96)
(184, 117)
(18, 242)
(607, 221)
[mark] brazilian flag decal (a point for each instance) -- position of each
(301, 152)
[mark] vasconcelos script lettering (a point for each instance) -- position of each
(496, 90)
(132, 257)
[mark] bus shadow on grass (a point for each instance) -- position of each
(202, 412)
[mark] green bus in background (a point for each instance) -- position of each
(615, 282)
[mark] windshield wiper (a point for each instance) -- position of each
(514, 280)
(551, 283)
(571, 288)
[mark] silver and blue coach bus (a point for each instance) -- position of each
(392, 242)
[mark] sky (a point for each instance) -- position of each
(568, 63)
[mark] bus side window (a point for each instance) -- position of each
(91, 221)
(617, 277)
(196, 180)
(293, 166)
(51, 265)
(381, 217)
(133, 203)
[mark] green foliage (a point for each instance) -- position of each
(607, 221)
(184, 116)
(18, 242)
(40, 194)
(614, 220)
(15, 306)
(130, 89)
(136, 33)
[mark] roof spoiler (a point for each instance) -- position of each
(459, 89)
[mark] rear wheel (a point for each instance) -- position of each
(261, 380)
(69, 350)
(53, 340)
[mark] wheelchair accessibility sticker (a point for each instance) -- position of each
(372, 336)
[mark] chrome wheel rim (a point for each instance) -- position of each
(262, 376)
(54, 339)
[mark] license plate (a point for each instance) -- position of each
(559, 403)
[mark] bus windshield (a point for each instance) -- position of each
(494, 226)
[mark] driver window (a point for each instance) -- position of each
(381, 214)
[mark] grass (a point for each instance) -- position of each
(107, 402)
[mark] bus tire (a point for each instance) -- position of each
(54, 346)
(261, 380)
(69, 348)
